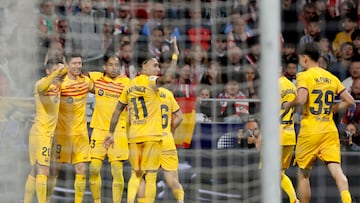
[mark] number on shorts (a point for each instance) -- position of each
(58, 151)
(143, 106)
(45, 151)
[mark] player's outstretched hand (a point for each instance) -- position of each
(109, 140)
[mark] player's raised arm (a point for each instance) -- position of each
(346, 101)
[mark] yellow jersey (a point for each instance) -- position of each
(143, 102)
(322, 87)
(168, 107)
(287, 93)
(107, 93)
(72, 114)
(47, 107)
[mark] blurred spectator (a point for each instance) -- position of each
(325, 50)
(67, 8)
(308, 13)
(218, 50)
(238, 35)
(213, 77)
(334, 21)
(354, 73)
(254, 50)
(108, 37)
(353, 113)
(85, 30)
(233, 111)
(291, 68)
(288, 51)
(313, 32)
(355, 38)
(323, 62)
(204, 108)
(235, 15)
(250, 136)
(127, 66)
(55, 51)
(48, 22)
(198, 61)
(157, 46)
(62, 28)
(157, 15)
(235, 66)
(341, 68)
(289, 20)
(122, 20)
(350, 139)
(348, 27)
(104, 8)
(248, 10)
(251, 87)
(196, 31)
(184, 86)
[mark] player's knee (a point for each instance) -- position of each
(44, 170)
(305, 173)
(95, 168)
(117, 170)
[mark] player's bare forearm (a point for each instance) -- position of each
(178, 118)
(115, 117)
(346, 101)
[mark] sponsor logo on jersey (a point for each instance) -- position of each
(101, 92)
(70, 100)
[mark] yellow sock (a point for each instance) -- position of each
(51, 182)
(141, 200)
(288, 187)
(79, 186)
(29, 189)
(345, 196)
(118, 181)
(95, 179)
(133, 186)
(179, 194)
(150, 187)
(41, 188)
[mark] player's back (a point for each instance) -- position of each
(168, 107)
(287, 93)
(143, 102)
(322, 88)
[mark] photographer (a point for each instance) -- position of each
(250, 136)
(350, 139)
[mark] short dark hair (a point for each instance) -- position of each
(107, 56)
(355, 34)
(68, 57)
(310, 49)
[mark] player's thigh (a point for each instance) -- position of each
(306, 152)
(286, 155)
(330, 148)
(40, 149)
(61, 149)
(151, 155)
(97, 150)
(169, 160)
(80, 148)
(120, 149)
(135, 151)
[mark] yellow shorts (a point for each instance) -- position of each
(71, 148)
(286, 156)
(40, 148)
(169, 160)
(324, 146)
(145, 156)
(119, 151)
